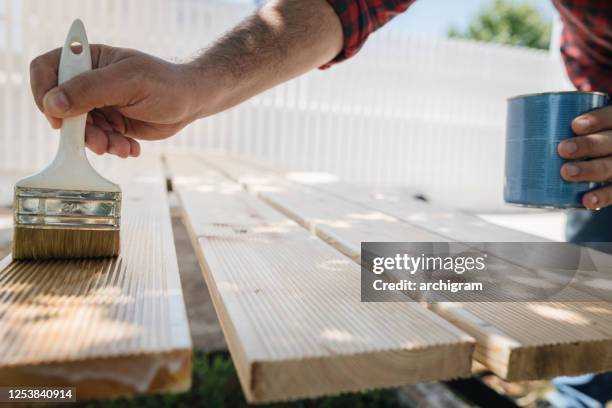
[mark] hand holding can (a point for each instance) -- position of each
(539, 128)
(594, 141)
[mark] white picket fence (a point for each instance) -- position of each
(410, 110)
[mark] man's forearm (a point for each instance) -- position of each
(283, 40)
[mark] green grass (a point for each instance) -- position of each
(215, 385)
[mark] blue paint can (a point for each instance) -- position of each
(535, 125)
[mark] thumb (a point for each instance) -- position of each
(90, 90)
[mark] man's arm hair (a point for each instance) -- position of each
(282, 40)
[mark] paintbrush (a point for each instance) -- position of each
(68, 210)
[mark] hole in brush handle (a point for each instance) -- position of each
(76, 47)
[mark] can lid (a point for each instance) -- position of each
(556, 93)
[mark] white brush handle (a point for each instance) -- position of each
(71, 170)
(72, 142)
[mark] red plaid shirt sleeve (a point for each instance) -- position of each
(586, 42)
(360, 18)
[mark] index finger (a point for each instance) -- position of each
(595, 121)
(43, 75)
(43, 72)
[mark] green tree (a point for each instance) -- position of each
(508, 22)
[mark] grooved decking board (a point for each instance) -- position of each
(517, 341)
(394, 201)
(452, 224)
(108, 327)
(289, 304)
(385, 205)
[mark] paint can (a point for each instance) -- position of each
(535, 124)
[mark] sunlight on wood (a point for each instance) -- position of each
(108, 327)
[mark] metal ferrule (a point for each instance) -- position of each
(48, 208)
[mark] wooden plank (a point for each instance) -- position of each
(448, 224)
(112, 327)
(396, 202)
(439, 223)
(452, 224)
(459, 226)
(327, 219)
(517, 341)
(289, 304)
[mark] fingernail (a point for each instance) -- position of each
(572, 170)
(570, 147)
(582, 123)
(592, 200)
(58, 100)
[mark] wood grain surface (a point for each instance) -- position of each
(517, 341)
(108, 327)
(289, 304)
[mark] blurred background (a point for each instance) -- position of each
(422, 105)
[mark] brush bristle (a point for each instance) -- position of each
(57, 243)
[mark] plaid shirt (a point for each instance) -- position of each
(586, 41)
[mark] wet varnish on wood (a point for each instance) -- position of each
(107, 327)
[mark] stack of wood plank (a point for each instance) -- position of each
(280, 256)
(517, 341)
